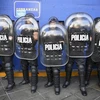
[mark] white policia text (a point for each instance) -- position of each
(53, 47)
(24, 40)
(3, 38)
(79, 38)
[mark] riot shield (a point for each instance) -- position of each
(26, 38)
(6, 36)
(80, 35)
(53, 45)
(96, 54)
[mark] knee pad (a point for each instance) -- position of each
(8, 66)
(34, 69)
(69, 65)
(80, 61)
(56, 71)
(89, 67)
(81, 68)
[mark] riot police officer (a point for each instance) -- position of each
(95, 58)
(27, 40)
(81, 70)
(51, 57)
(53, 74)
(80, 33)
(7, 49)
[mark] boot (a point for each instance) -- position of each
(49, 77)
(10, 78)
(34, 79)
(82, 80)
(56, 73)
(83, 91)
(68, 71)
(25, 77)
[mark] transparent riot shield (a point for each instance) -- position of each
(6, 36)
(80, 35)
(53, 45)
(26, 38)
(96, 54)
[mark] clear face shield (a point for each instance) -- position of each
(96, 54)
(27, 31)
(80, 33)
(53, 45)
(6, 36)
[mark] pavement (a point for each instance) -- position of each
(72, 92)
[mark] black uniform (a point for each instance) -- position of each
(34, 73)
(53, 57)
(79, 48)
(89, 64)
(32, 63)
(8, 66)
(81, 70)
(7, 61)
(53, 73)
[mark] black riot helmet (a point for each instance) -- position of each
(28, 22)
(96, 20)
(29, 15)
(53, 19)
(97, 25)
